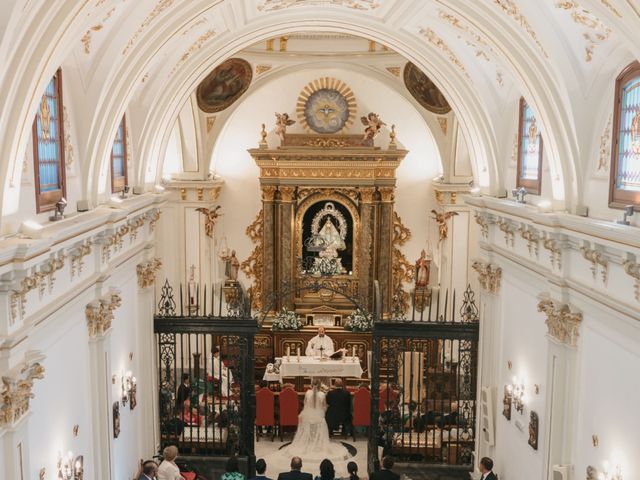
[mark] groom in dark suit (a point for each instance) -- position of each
(339, 408)
(295, 473)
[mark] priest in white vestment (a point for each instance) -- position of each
(221, 373)
(319, 345)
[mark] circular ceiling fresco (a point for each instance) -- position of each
(424, 90)
(224, 85)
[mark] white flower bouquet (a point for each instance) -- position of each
(286, 320)
(359, 321)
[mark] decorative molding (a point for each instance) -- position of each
(611, 8)
(262, 67)
(596, 257)
(253, 266)
(433, 38)
(604, 153)
(198, 22)
(509, 230)
(99, 314)
(273, 5)
(113, 243)
(46, 271)
(532, 237)
(86, 38)
(633, 269)
(484, 220)
(395, 71)
(510, 7)
(584, 17)
(562, 324)
(195, 46)
(326, 83)
(77, 258)
(442, 121)
(153, 216)
(555, 250)
(69, 156)
(210, 121)
(17, 389)
(402, 270)
(134, 225)
(160, 7)
(489, 276)
(147, 272)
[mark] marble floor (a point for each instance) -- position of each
(276, 463)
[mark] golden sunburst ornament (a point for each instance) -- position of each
(326, 105)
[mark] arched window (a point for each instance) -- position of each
(48, 147)
(119, 159)
(625, 153)
(530, 149)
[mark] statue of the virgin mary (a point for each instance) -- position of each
(332, 240)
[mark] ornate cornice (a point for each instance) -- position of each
(100, 314)
(562, 324)
(532, 237)
(509, 230)
(596, 257)
(489, 276)
(633, 269)
(77, 257)
(17, 389)
(484, 220)
(147, 272)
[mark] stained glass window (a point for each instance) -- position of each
(625, 165)
(529, 150)
(48, 146)
(119, 159)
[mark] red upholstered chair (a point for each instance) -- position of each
(265, 411)
(388, 399)
(361, 409)
(289, 406)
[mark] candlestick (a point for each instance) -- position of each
(288, 352)
(353, 351)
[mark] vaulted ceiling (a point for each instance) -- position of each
(148, 56)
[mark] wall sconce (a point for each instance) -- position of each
(128, 388)
(516, 390)
(605, 474)
(70, 468)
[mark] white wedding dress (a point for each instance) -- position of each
(311, 441)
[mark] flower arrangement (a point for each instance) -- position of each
(286, 320)
(359, 321)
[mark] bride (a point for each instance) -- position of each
(311, 440)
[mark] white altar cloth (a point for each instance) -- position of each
(314, 367)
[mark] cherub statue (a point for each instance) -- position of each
(282, 122)
(210, 220)
(441, 219)
(373, 124)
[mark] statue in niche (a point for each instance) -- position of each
(282, 122)
(332, 240)
(423, 267)
(373, 124)
(329, 228)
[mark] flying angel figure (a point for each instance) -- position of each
(282, 122)
(210, 219)
(441, 220)
(373, 124)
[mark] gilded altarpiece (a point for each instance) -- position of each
(339, 188)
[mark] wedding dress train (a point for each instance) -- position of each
(311, 441)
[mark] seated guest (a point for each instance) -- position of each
(261, 467)
(221, 372)
(352, 470)
(327, 472)
(385, 473)
(168, 470)
(338, 408)
(451, 418)
(295, 473)
(231, 470)
(147, 470)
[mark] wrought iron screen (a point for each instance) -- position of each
(206, 372)
(423, 384)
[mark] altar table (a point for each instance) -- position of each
(314, 367)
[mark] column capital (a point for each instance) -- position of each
(147, 272)
(99, 314)
(366, 194)
(287, 194)
(489, 276)
(268, 193)
(386, 194)
(17, 389)
(562, 324)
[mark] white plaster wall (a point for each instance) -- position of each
(240, 197)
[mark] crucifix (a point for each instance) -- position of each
(321, 351)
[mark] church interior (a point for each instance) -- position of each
(216, 214)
